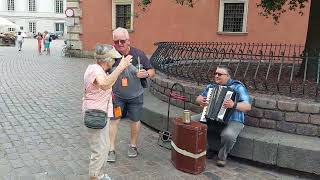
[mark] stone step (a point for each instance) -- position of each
(45, 177)
(266, 146)
(155, 112)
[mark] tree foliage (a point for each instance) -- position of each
(275, 8)
(189, 3)
(270, 8)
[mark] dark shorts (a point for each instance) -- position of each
(131, 108)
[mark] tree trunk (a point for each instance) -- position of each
(312, 41)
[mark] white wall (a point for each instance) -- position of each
(3, 5)
(44, 16)
(20, 5)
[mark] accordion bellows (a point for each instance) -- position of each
(188, 153)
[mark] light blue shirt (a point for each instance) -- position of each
(242, 95)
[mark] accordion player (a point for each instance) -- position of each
(215, 111)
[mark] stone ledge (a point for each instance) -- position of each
(265, 103)
(272, 147)
(287, 105)
(315, 119)
(281, 113)
(309, 108)
(156, 110)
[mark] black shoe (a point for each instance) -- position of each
(210, 154)
(111, 156)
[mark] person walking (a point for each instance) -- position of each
(39, 39)
(98, 96)
(20, 39)
(44, 40)
(128, 91)
(47, 40)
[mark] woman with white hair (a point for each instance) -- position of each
(98, 96)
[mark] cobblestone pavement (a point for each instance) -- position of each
(42, 136)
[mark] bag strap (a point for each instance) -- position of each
(135, 59)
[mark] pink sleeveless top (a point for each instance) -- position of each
(94, 97)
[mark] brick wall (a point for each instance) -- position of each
(296, 116)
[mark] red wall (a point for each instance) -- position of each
(167, 21)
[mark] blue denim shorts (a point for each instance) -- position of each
(130, 108)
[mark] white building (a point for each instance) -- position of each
(34, 16)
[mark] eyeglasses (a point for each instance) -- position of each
(219, 74)
(119, 41)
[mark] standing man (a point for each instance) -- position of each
(235, 123)
(128, 91)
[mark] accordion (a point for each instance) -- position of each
(215, 110)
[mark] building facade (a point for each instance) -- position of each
(221, 20)
(34, 16)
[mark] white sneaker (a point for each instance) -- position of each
(104, 177)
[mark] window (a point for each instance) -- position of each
(122, 11)
(10, 5)
(11, 29)
(123, 18)
(59, 6)
(32, 27)
(59, 27)
(32, 5)
(233, 16)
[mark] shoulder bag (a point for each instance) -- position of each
(95, 119)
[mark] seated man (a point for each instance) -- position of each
(235, 124)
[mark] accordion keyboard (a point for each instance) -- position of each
(223, 109)
(206, 108)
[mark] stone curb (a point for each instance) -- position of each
(290, 115)
(266, 146)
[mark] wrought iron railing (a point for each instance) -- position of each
(269, 68)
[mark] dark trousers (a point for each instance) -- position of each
(221, 136)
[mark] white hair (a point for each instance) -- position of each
(121, 30)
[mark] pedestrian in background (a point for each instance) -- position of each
(44, 40)
(19, 40)
(47, 40)
(98, 95)
(39, 39)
